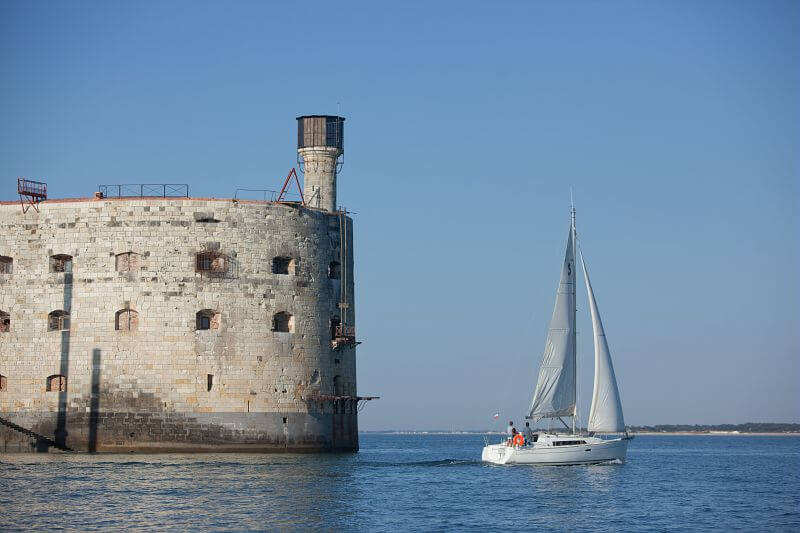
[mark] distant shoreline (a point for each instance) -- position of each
(635, 434)
(719, 433)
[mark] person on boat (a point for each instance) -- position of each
(528, 433)
(511, 430)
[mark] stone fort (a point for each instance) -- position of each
(156, 323)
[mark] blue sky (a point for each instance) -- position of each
(676, 124)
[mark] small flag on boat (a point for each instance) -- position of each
(496, 416)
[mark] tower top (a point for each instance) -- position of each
(320, 131)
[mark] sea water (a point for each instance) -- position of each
(412, 482)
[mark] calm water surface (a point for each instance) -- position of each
(412, 482)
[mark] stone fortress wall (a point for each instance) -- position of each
(162, 324)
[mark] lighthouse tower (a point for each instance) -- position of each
(319, 146)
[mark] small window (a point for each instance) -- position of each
(5, 322)
(338, 386)
(126, 320)
(58, 321)
(3, 383)
(334, 270)
(6, 265)
(283, 265)
(56, 383)
(127, 262)
(207, 319)
(336, 327)
(212, 262)
(283, 322)
(61, 263)
(209, 382)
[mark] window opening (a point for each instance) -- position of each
(5, 322)
(334, 270)
(3, 383)
(336, 326)
(283, 265)
(209, 382)
(127, 262)
(126, 320)
(58, 321)
(215, 262)
(207, 319)
(283, 321)
(60, 263)
(338, 386)
(6, 265)
(56, 383)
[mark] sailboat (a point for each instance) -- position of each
(555, 396)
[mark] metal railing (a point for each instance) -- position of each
(266, 194)
(345, 332)
(34, 189)
(141, 190)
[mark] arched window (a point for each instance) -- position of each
(338, 386)
(283, 321)
(335, 327)
(5, 322)
(6, 265)
(207, 319)
(56, 383)
(60, 263)
(127, 262)
(58, 321)
(3, 383)
(283, 265)
(334, 270)
(126, 320)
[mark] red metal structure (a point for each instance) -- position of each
(286, 185)
(31, 191)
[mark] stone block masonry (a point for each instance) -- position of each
(154, 324)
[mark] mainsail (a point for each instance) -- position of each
(555, 389)
(605, 415)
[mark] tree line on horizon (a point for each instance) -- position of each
(747, 427)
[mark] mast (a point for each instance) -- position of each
(574, 313)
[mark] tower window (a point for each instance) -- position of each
(209, 382)
(126, 320)
(283, 265)
(60, 263)
(5, 322)
(283, 322)
(6, 265)
(127, 262)
(214, 262)
(334, 270)
(56, 383)
(336, 324)
(58, 321)
(3, 383)
(338, 386)
(207, 319)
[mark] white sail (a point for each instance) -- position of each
(555, 389)
(605, 415)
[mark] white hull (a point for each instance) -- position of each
(594, 451)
